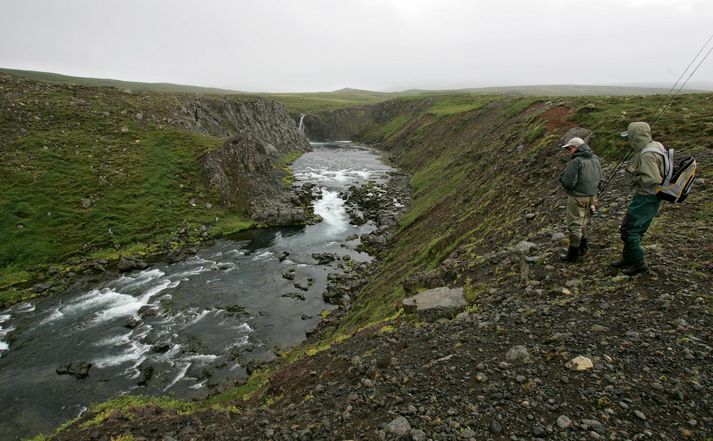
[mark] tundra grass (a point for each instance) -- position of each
(84, 174)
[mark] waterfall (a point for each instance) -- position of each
(301, 127)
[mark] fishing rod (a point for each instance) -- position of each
(663, 106)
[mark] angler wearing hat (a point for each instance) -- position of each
(580, 181)
(645, 172)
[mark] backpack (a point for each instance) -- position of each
(678, 178)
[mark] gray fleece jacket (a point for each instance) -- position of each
(583, 172)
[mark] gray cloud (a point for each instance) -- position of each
(309, 45)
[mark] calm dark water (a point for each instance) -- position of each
(198, 323)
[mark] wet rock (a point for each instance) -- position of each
(132, 322)
(301, 287)
(495, 427)
(161, 347)
(40, 288)
(78, 371)
(294, 295)
(147, 311)
(324, 258)
(128, 264)
(284, 256)
(145, 375)
(289, 275)
(176, 256)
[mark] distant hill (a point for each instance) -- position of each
(554, 90)
(119, 84)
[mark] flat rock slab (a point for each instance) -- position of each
(436, 303)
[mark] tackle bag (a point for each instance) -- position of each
(678, 178)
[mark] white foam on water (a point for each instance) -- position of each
(184, 275)
(118, 305)
(239, 343)
(4, 332)
(133, 353)
(116, 340)
(363, 174)
(198, 385)
(198, 318)
(5, 317)
(340, 176)
(181, 374)
(243, 327)
(139, 279)
(331, 209)
(236, 252)
(173, 284)
(263, 256)
(23, 308)
(201, 358)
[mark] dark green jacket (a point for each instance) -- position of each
(583, 172)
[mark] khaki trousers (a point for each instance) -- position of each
(576, 217)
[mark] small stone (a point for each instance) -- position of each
(418, 435)
(558, 237)
(573, 283)
(563, 422)
(539, 431)
(580, 364)
(467, 434)
(594, 425)
(566, 292)
(599, 328)
(530, 216)
(495, 427)
(399, 426)
(517, 353)
(640, 415)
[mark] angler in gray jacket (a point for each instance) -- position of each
(580, 181)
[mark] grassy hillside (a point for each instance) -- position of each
(56, 78)
(94, 173)
(480, 163)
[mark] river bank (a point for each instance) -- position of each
(196, 326)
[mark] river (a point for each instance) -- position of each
(196, 325)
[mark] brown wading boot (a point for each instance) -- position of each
(583, 246)
(636, 268)
(571, 256)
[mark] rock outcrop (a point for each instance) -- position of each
(250, 169)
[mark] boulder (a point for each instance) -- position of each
(78, 371)
(436, 303)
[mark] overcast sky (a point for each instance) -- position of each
(314, 45)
